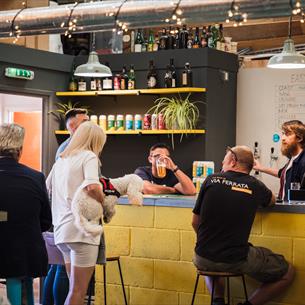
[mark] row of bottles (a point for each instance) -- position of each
(180, 38)
(126, 80)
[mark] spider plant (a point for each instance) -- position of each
(61, 110)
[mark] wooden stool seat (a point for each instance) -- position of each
(215, 274)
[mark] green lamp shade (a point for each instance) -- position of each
(288, 58)
(93, 68)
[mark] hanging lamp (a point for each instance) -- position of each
(93, 68)
(288, 58)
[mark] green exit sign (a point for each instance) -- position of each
(19, 73)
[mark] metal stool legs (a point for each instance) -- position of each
(195, 289)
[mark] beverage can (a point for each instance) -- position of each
(119, 122)
(195, 168)
(138, 122)
(129, 122)
(111, 122)
(103, 122)
(154, 121)
(161, 121)
(116, 82)
(147, 121)
(93, 118)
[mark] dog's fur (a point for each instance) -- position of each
(88, 212)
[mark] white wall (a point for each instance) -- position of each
(265, 99)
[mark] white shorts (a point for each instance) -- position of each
(79, 254)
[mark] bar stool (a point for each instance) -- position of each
(92, 281)
(226, 275)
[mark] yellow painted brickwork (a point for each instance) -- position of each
(156, 247)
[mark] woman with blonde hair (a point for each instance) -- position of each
(78, 165)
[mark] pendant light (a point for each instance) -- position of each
(288, 58)
(93, 68)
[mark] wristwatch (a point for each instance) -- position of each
(176, 169)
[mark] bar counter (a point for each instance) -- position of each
(156, 245)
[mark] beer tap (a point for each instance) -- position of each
(256, 155)
(273, 156)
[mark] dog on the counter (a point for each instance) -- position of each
(88, 212)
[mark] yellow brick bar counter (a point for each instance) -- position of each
(156, 245)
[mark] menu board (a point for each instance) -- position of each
(290, 100)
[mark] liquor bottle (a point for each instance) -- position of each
(171, 39)
(152, 76)
(156, 44)
(189, 43)
(168, 77)
(131, 78)
(197, 42)
(93, 84)
(124, 79)
(107, 81)
(204, 40)
(151, 41)
(126, 43)
(177, 38)
(144, 43)
(187, 76)
(163, 41)
(132, 41)
(184, 37)
(82, 86)
(174, 74)
(138, 42)
(72, 82)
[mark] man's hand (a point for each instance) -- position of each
(169, 162)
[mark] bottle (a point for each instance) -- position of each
(221, 44)
(189, 43)
(204, 40)
(107, 81)
(117, 82)
(168, 78)
(131, 78)
(187, 76)
(151, 41)
(126, 43)
(177, 38)
(171, 40)
(163, 41)
(93, 84)
(124, 79)
(174, 74)
(151, 76)
(197, 42)
(210, 37)
(184, 37)
(132, 41)
(82, 86)
(72, 82)
(144, 43)
(99, 86)
(156, 44)
(138, 42)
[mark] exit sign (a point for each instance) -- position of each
(19, 73)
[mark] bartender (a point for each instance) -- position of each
(293, 144)
(164, 176)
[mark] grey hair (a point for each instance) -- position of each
(11, 140)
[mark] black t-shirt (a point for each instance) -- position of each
(145, 173)
(227, 204)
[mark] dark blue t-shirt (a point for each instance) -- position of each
(145, 173)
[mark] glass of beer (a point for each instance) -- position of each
(161, 167)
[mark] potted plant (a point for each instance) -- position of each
(61, 110)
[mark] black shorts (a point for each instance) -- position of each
(261, 264)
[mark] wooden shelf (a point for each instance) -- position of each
(136, 132)
(133, 92)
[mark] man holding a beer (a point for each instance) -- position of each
(164, 176)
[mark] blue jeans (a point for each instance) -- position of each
(56, 286)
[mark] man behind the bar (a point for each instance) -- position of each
(223, 217)
(175, 181)
(293, 144)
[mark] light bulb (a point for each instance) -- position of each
(230, 14)
(62, 24)
(179, 11)
(174, 17)
(166, 20)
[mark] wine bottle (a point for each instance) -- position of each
(138, 42)
(131, 78)
(72, 82)
(204, 40)
(174, 74)
(152, 76)
(187, 76)
(151, 41)
(168, 77)
(177, 38)
(171, 39)
(184, 37)
(196, 43)
(163, 41)
(189, 43)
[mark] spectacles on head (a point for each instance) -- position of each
(229, 149)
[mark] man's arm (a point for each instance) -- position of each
(195, 222)
(267, 170)
(150, 188)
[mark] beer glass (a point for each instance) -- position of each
(161, 167)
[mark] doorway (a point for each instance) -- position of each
(26, 111)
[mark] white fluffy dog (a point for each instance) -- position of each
(88, 212)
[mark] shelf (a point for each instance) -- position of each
(133, 92)
(136, 132)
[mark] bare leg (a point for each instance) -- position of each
(79, 280)
(219, 289)
(68, 269)
(268, 291)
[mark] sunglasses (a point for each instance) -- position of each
(229, 149)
